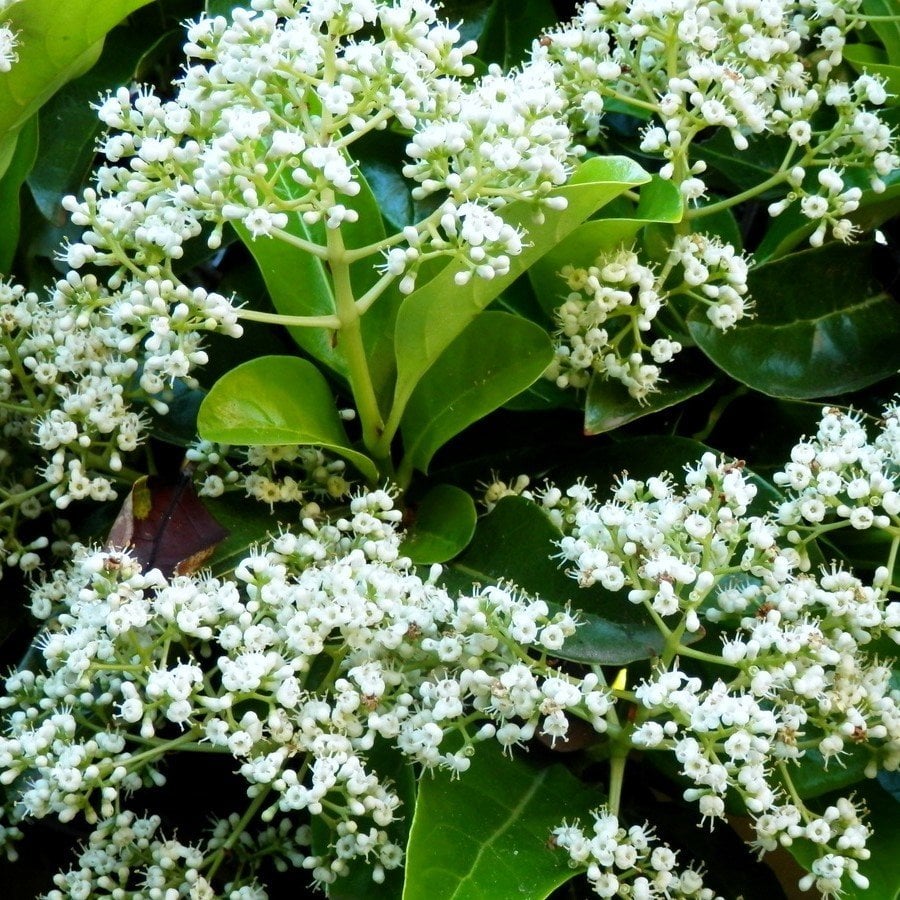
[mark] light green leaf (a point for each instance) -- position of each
(275, 400)
(495, 358)
(443, 526)
(57, 42)
(26, 148)
(485, 836)
(822, 327)
(299, 286)
(430, 318)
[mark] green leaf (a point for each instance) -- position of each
(486, 835)
(889, 32)
(874, 61)
(660, 201)
(444, 525)
(744, 170)
(430, 318)
(495, 358)
(57, 42)
(822, 327)
(299, 285)
(517, 543)
(275, 400)
(69, 126)
(24, 155)
(610, 406)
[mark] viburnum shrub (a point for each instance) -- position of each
(336, 270)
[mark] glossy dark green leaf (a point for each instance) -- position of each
(747, 169)
(432, 317)
(277, 400)
(887, 31)
(381, 156)
(821, 328)
(26, 148)
(518, 543)
(69, 125)
(179, 424)
(609, 405)
(890, 781)
(495, 358)
(443, 525)
(485, 836)
(660, 201)
(57, 42)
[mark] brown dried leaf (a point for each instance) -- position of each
(165, 526)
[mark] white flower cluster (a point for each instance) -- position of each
(76, 370)
(283, 473)
(260, 128)
(801, 678)
(840, 475)
(9, 40)
(148, 662)
(623, 862)
(609, 306)
(507, 139)
(128, 855)
(693, 65)
(715, 274)
(613, 303)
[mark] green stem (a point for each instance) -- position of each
(237, 831)
(17, 498)
(701, 655)
(374, 292)
(24, 379)
(300, 243)
(698, 212)
(351, 343)
(892, 556)
(617, 760)
(254, 315)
